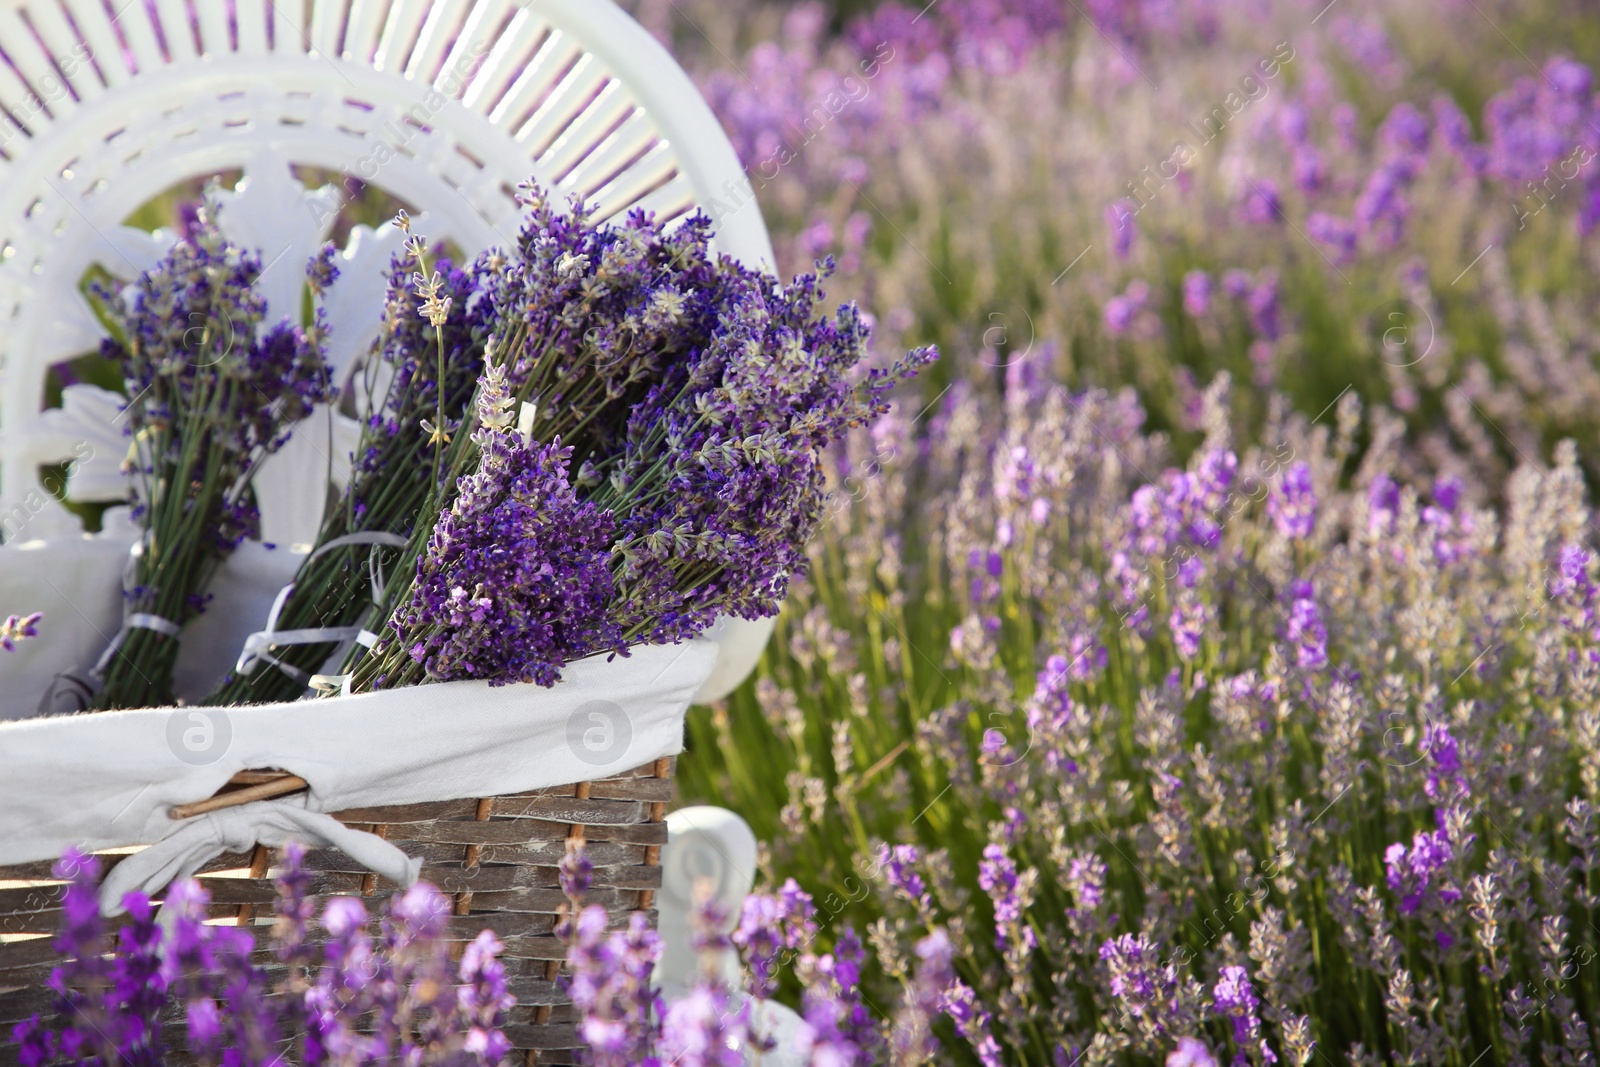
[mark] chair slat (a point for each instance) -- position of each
(570, 99)
(136, 25)
(472, 45)
(215, 39)
(400, 33)
(252, 16)
(558, 52)
(102, 40)
(363, 29)
(505, 61)
(327, 26)
(586, 131)
(625, 192)
(618, 153)
(63, 43)
(42, 83)
(439, 32)
(291, 29)
(175, 29)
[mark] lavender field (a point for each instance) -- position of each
(1199, 664)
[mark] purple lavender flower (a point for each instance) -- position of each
(1336, 235)
(899, 866)
(1197, 293)
(1383, 505)
(1234, 998)
(1305, 630)
(1445, 779)
(610, 986)
(1310, 170)
(1138, 978)
(19, 628)
(1452, 527)
(575, 872)
(1292, 504)
(1123, 309)
(1191, 1052)
(1261, 204)
(973, 1022)
(1264, 312)
(997, 876)
(484, 1000)
(912, 1038)
(1121, 219)
(517, 580)
(1415, 873)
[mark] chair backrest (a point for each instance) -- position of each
(445, 104)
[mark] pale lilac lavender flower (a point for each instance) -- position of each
(1191, 1052)
(1383, 505)
(484, 1000)
(912, 1039)
(1139, 980)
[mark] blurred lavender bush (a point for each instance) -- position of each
(1398, 199)
(1212, 663)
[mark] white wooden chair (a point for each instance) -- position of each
(445, 104)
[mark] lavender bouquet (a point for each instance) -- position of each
(210, 400)
(641, 456)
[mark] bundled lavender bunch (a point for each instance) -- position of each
(209, 401)
(419, 367)
(393, 1000)
(646, 457)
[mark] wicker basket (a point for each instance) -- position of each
(496, 856)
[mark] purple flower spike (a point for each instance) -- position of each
(1234, 998)
(1191, 1052)
(1293, 503)
(19, 628)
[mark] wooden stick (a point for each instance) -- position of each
(288, 784)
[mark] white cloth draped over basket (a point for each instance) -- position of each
(109, 779)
